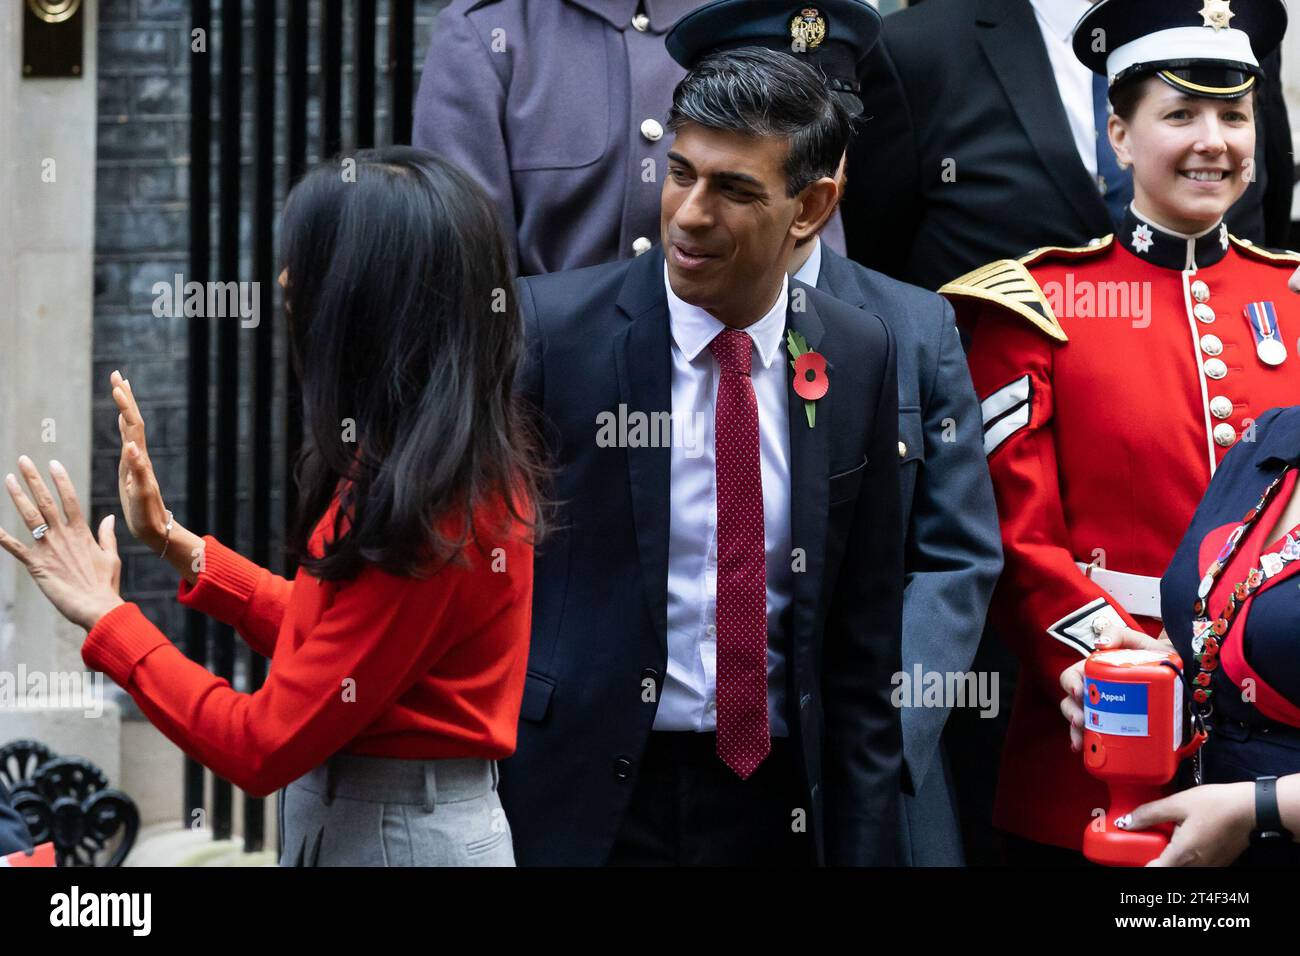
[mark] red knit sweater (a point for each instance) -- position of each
(379, 665)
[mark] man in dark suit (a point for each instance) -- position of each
(953, 548)
(971, 154)
(716, 623)
(13, 831)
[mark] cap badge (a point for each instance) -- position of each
(808, 29)
(1217, 13)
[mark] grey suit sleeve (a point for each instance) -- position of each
(954, 549)
(460, 112)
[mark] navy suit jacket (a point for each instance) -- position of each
(953, 546)
(598, 338)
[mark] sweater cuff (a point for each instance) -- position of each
(224, 586)
(119, 641)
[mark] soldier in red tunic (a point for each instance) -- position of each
(1115, 377)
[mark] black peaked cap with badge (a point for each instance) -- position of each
(1207, 48)
(833, 35)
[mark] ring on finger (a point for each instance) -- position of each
(39, 531)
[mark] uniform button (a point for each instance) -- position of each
(1211, 345)
(641, 244)
(652, 130)
(1215, 368)
(640, 23)
(902, 449)
(1203, 313)
(622, 768)
(1224, 434)
(1200, 291)
(1221, 406)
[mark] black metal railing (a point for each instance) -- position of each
(219, 362)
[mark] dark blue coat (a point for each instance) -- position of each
(599, 338)
(953, 547)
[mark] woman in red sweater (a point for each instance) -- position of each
(398, 652)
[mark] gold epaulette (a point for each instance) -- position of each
(1069, 252)
(1282, 257)
(1009, 283)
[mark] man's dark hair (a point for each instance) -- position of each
(764, 92)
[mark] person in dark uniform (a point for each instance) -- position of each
(557, 108)
(1115, 377)
(1232, 610)
(953, 547)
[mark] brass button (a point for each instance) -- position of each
(1215, 368)
(1224, 434)
(652, 130)
(1203, 313)
(1211, 345)
(641, 244)
(1200, 291)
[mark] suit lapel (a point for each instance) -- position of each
(834, 279)
(642, 356)
(1013, 45)
(809, 466)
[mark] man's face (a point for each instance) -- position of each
(725, 220)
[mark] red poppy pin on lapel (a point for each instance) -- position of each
(810, 381)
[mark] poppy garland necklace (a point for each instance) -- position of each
(1208, 635)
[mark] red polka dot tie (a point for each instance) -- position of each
(744, 738)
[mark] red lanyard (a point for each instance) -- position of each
(1207, 635)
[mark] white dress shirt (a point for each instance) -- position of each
(689, 698)
(1056, 20)
(811, 270)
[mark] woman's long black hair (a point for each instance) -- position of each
(406, 337)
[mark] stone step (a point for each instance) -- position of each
(169, 844)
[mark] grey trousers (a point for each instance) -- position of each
(378, 811)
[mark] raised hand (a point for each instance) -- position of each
(142, 502)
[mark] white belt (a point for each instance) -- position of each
(1135, 593)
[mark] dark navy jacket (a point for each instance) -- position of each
(599, 338)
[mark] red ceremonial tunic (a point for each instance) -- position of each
(1108, 398)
